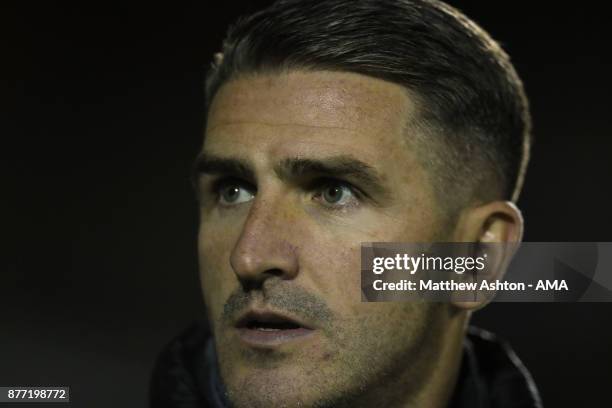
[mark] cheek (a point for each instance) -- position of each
(332, 261)
(216, 274)
(334, 269)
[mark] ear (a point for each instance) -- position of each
(495, 222)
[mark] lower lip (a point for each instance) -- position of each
(268, 338)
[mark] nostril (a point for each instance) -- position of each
(259, 282)
(275, 272)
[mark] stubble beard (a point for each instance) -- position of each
(362, 368)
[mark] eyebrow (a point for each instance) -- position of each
(335, 166)
(209, 164)
(342, 166)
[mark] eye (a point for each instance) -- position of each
(233, 192)
(337, 194)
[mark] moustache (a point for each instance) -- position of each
(292, 299)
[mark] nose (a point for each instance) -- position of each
(263, 249)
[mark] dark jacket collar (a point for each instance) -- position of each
(491, 375)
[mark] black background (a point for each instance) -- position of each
(100, 269)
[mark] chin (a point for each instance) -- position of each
(269, 390)
(274, 387)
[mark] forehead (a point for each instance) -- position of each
(311, 114)
(303, 97)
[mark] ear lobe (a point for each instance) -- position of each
(497, 229)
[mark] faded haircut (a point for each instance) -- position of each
(474, 123)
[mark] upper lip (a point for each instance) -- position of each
(268, 316)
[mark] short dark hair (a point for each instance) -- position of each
(471, 98)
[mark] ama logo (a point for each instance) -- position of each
(552, 285)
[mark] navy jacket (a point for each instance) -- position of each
(491, 375)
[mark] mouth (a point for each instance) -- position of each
(267, 329)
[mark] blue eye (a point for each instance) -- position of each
(337, 194)
(232, 193)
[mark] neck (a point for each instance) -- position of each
(430, 382)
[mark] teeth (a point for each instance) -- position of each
(267, 329)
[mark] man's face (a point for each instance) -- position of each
(297, 169)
